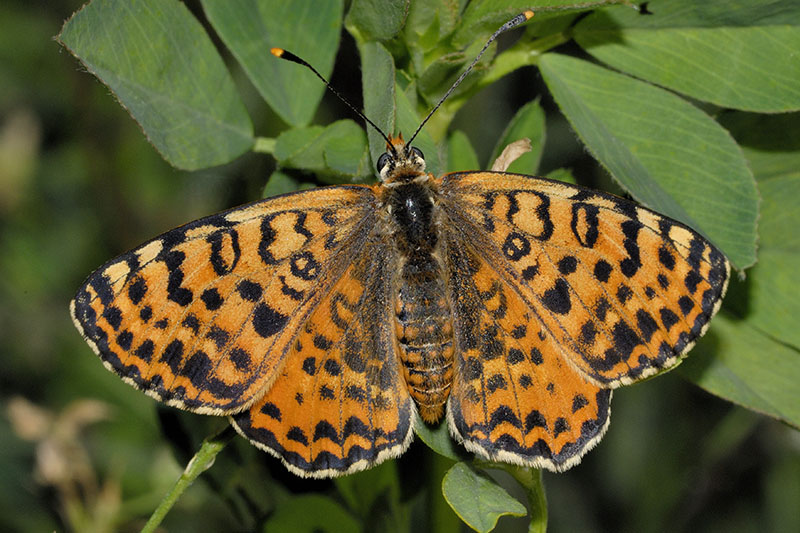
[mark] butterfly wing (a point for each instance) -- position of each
(514, 397)
(340, 404)
(612, 291)
(203, 316)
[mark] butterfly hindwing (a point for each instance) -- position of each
(624, 291)
(340, 403)
(515, 397)
(202, 316)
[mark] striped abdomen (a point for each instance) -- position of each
(425, 334)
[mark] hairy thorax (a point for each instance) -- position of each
(423, 322)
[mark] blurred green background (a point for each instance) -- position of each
(81, 451)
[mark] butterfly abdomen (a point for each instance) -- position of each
(423, 321)
(425, 335)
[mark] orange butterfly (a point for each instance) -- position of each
(325, 321)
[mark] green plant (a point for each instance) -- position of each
(669, 153)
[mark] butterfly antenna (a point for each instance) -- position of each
(516, 21)
(287, 55)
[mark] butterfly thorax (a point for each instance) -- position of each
(423, 322)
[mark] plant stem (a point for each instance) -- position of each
(531, 480)
(201, 462)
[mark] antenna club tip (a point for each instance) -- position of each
(528, 14)
(277, 52)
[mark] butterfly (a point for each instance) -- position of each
(328, 323)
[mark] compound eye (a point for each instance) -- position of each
(383, 160)
(417, 152)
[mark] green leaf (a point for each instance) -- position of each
(428, 22)
(311, 513)
(772, 303)
(668, 154)
(439, 440)
(306, 28)
(376, 20)
(528, 123)
(748, 368)
(481, 19)
(378, 84)
(440, 75)
(477, 499)
(279, 183)
(336, 153)
(389, 107)
(162, 67)
(720, 57)
(460, 154)
(771, 143)
(373, 493)
(561, 174)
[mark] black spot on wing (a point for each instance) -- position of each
(249, 290)
(666, 258)
(219, 336)
(560, 426)
(625, 339)
(535, 419)
(332, 367)
(225, 252)
(567, 265)
(584, 223)
(668, 318)
(631, 264)
(113, 316)
(173, 260)
(602, 270)
(137, 290)
(190, 321)
(557, 297)
(624, 293)
(310, 365)
(686, 304)
(124, 340)
(267, 321)
(172, 355)
(212, 299)
(271, 410)
(145, 351)
(516, 246)
(241, 359)
(496, 382)
(647, 324)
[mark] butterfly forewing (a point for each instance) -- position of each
(624, 291)
(202, 316)
(340, 403)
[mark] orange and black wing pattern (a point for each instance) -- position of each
(340, 404)
(204, 316)
(561, 294)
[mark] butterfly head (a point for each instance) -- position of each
(400, 162)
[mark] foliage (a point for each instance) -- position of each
(678, 103)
